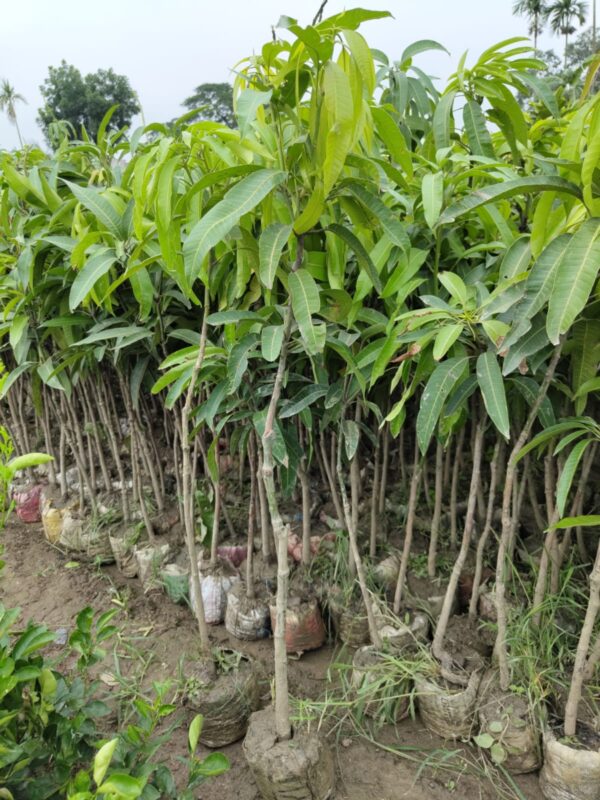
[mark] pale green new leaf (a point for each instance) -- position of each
(491, 384)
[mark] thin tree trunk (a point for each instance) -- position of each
(188, 487)
(384, 471)
(579, 667)
(330, 479)
(375, 501)
(442, 625)
(454, 488)
(250, 592)
(265, 533)
(437, 510)
(408, 528)
(501, 648)
(495, 469)
(355, 555)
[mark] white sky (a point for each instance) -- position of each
(167, 47)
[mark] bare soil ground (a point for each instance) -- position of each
(157, 634)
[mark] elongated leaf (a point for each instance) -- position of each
(491, 384)
(106, 214)
(584, 521)
(218, 222)
(477, 133)
(270, 247)
(577, 272)
(271, 339)
(433, 196)
(563, 487)
(500, 191)
(351, 437)
(304, 294)
(94, 268)
(442, 120)
(541, 89)
(445, 338)
(387, 219)
(421, 46)
(538, 287)
(516, 259)
(247, 105)
(237, 363)
(233, 317)
(306, 397)
(584, 358)
(530, 390)
(440, 384)
(363, 258)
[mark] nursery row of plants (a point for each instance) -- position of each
(372, 308)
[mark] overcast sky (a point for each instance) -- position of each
(167, 47)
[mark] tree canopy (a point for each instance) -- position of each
(214, 101)
(82, 101)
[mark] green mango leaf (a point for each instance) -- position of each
(304, 294)
(563, 486)
(94, 268)
(306, 397)
(351, 436)
(385, 216)
(271, 340)
(270, 247)
(530, 184)
(445, 338)
(575, 278)
(585, 521)
(441, 382)
(363, 258)
(233, 317)
(442, 120)
(104, 211)
(214, 226)
(478, 135)
(432, 188)
(491, 384)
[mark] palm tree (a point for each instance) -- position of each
(563, 14)
(8, 100)
(535, 11)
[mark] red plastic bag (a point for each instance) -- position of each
(28, 504)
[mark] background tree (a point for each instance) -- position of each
(83, 101)
(534, 11)
(214, 101)
(563, 16)
(569, 75)
(8, 100)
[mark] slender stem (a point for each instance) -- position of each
(501, 648)
(409, 527)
